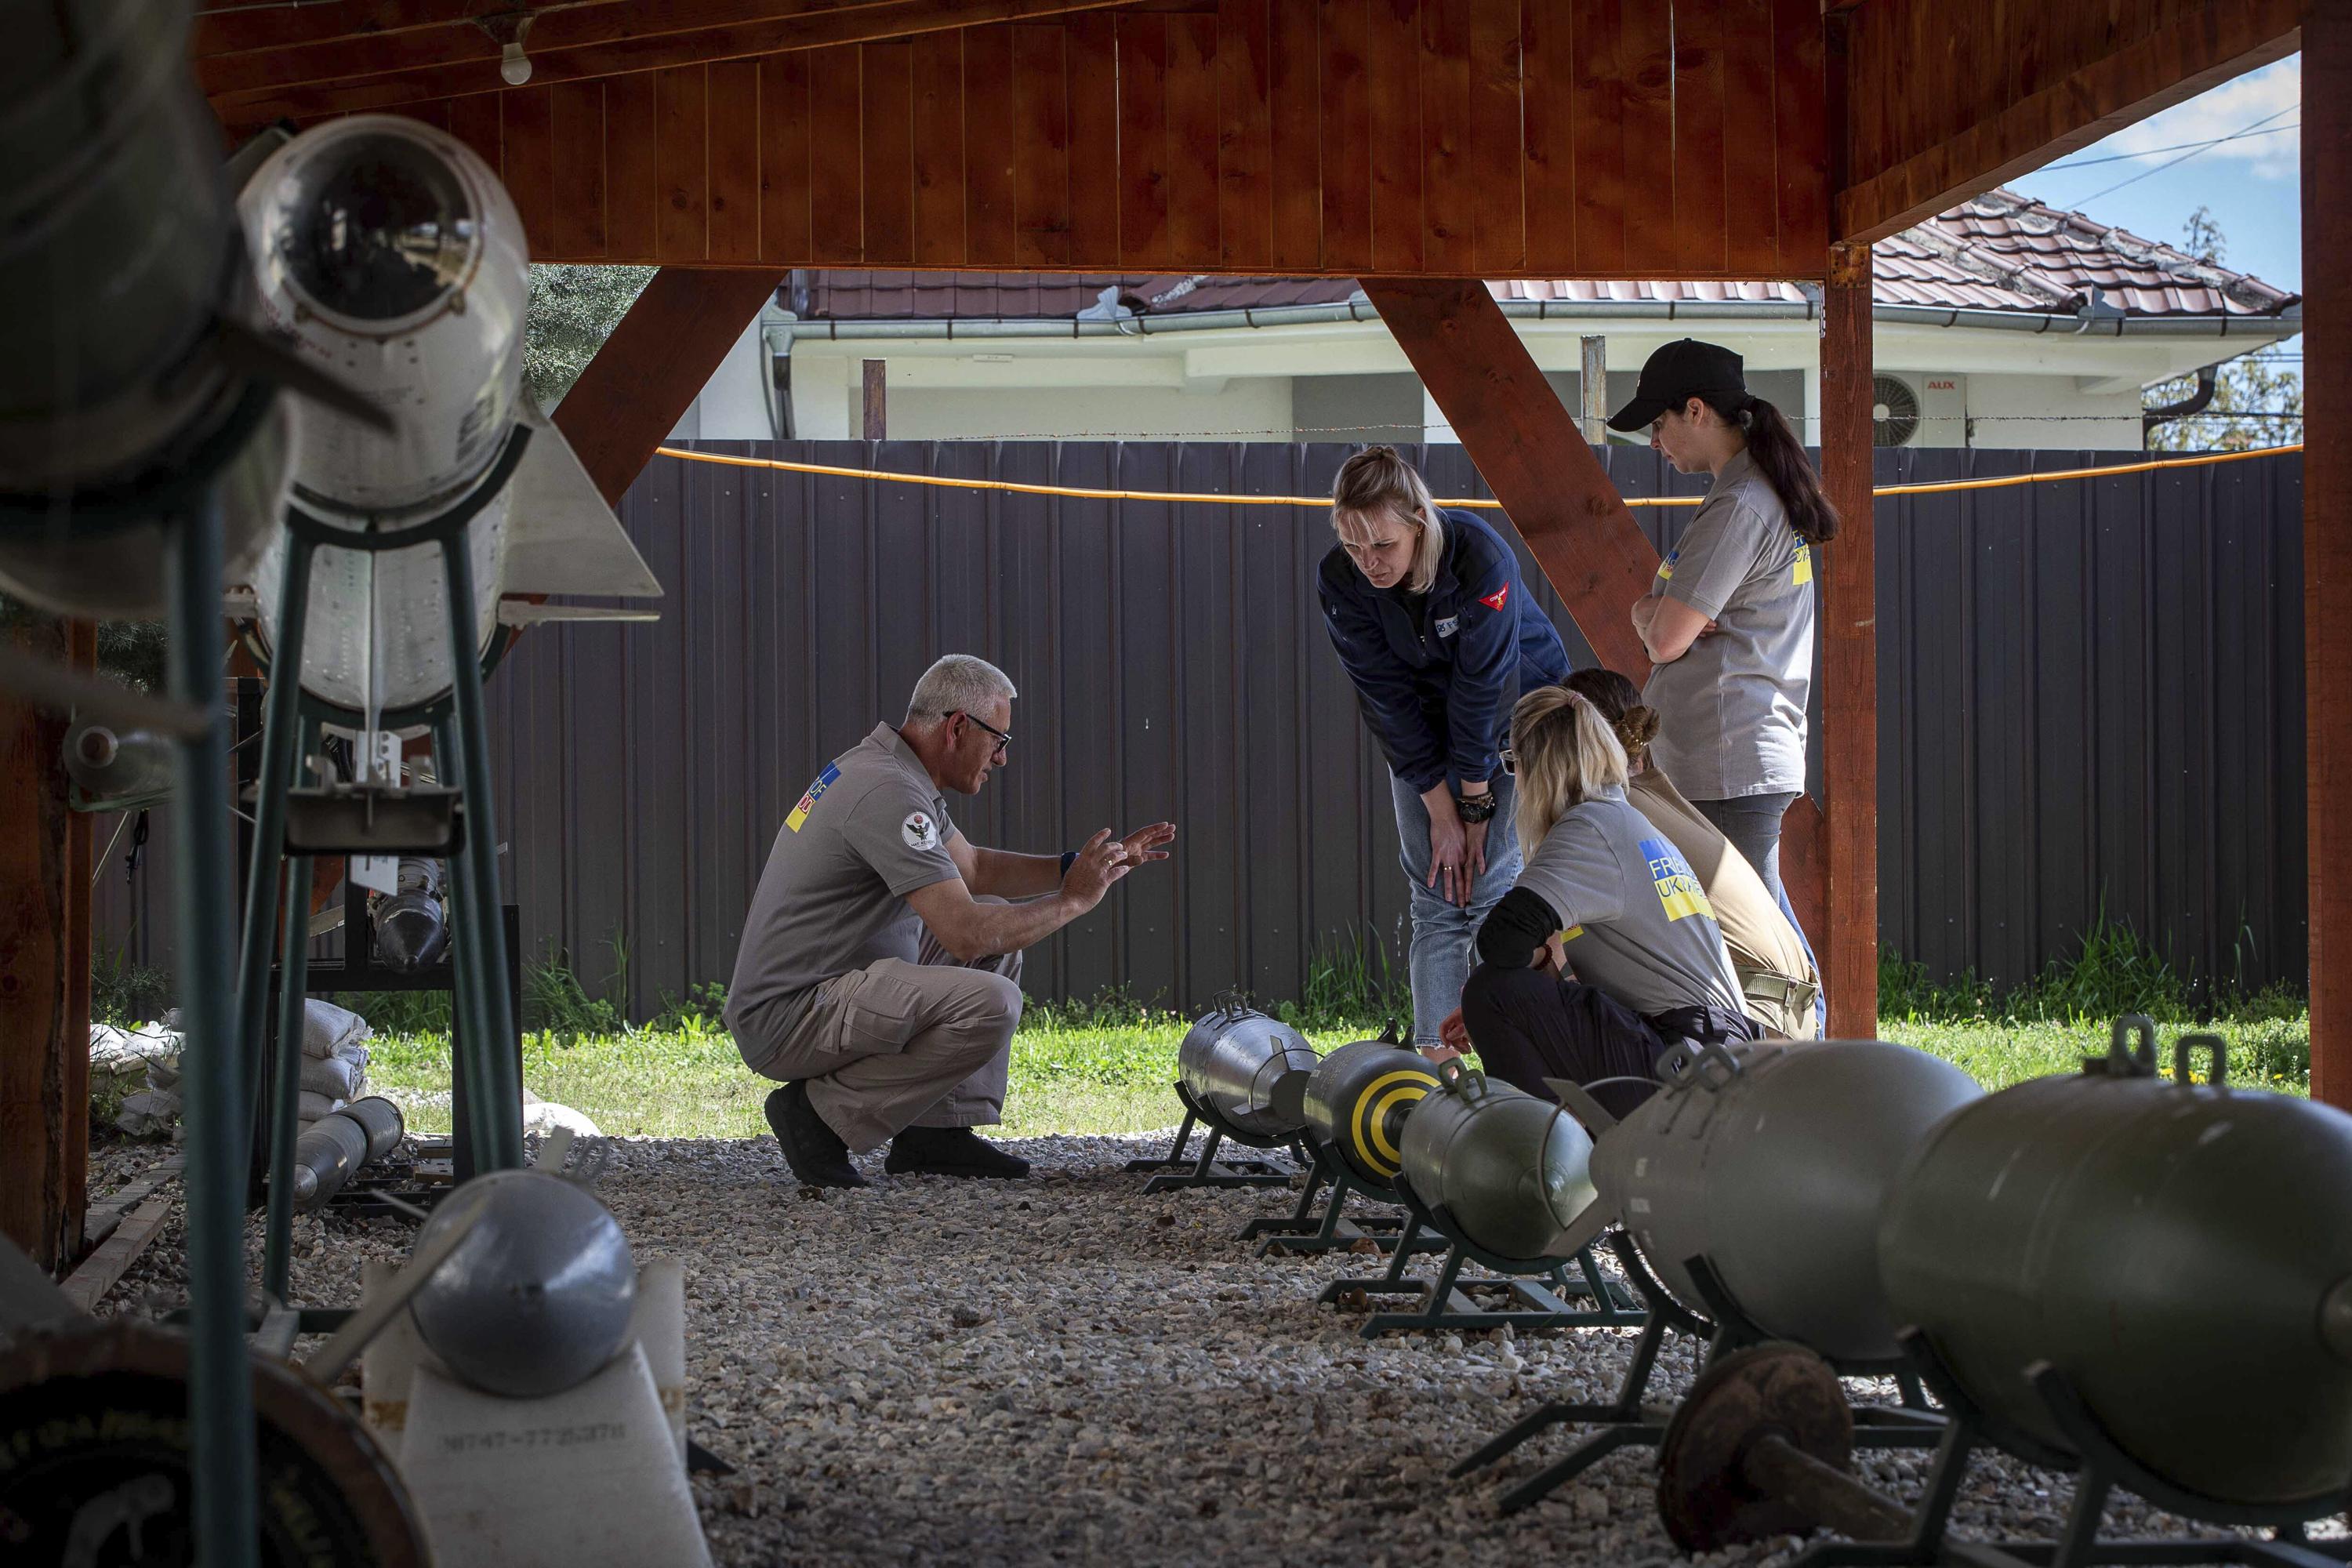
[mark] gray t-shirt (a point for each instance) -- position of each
(1731, 712)
(1635, 922)
(871, 829)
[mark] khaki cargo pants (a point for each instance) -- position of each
(897, 1044)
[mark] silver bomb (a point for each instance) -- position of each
(1510, 1171)
(1233, 1060)
(1772, 1160)
(2182, 1253)
(537, 1298)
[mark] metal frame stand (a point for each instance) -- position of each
(2100, 1467)
(485, 1044)
(1208, 1171)
(1301, 1232)
(1536, 1288)
(1629, 1422)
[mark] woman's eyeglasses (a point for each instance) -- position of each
(1003, 739)
(1511, 761)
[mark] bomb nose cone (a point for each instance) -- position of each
(409, 934)
(306, 1183)
(375, 226)
(2336, 1320)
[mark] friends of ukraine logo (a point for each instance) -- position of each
(1678, 887)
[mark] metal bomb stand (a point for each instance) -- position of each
(375, 816)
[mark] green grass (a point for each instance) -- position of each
(1079, 1073)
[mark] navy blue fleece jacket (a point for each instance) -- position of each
(1438, 693)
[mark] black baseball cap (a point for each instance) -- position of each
(1684, 369)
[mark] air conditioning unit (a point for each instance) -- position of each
(1919, 409)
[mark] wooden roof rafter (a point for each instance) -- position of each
(256, 65)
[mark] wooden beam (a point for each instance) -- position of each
(2194, 48)
(648, 371)
(1529, 451)
(44, 928)
(87, 1285)
(446, 57)
(1847, 943)
(2328, 534)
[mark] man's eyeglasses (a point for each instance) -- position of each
(1003, 739)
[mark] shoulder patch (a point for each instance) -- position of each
(919, 831)
(1497, 599)
(799, 814)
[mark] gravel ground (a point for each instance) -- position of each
(1063, 1370)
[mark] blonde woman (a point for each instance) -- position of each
(1776, 977)
(1608, 898)
(1431, 621)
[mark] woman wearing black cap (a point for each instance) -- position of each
(1729, 620)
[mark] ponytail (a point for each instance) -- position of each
(1615, 699)
(1780, 457)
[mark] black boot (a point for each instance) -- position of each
(815, 1152)
(949, 1151)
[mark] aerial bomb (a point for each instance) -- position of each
(1233, 1060)
(113, 764)
(1356, 1101)
(411, 925)
(1770, 1160)
(393, 257)
(538, 1298)
(334, 1148)
(117, 382)
(1509, 1168)
(2180, 1253)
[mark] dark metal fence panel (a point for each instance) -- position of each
(2090, 702)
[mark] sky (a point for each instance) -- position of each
(2249, 184)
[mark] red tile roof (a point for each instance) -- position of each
(1999, 252)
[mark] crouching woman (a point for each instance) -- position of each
(1606, 952)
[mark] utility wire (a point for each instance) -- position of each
(2234, 135)
(2155, 151)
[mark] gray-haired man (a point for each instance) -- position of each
(879, 974)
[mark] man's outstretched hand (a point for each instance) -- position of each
(1144, 842)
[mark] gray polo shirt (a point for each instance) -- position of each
(1635, 922)
(1731, 712)
(871, 829)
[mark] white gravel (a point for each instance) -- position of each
(1062, 1369)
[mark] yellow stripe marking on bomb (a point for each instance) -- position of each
(1369, 1127)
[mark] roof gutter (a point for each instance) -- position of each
(1071, 328)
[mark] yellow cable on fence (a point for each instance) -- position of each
(1081, 492)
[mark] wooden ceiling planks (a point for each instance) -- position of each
(1949, 97)
(1462, 138)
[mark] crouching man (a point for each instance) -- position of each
(878, 975)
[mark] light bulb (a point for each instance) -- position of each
(514, 64)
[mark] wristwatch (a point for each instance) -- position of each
(1475, 807)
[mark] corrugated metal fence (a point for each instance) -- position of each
(2092, 699)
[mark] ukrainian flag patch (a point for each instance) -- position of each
(1678, 887)
(1802, 572)
(799, 814)
(1666, 567)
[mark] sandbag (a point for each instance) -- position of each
(312, 1106)
(336, 1077)
(326, 1026)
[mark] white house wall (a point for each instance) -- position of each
(1348, 380)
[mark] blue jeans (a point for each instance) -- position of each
(1752, 822)
(1442, 931)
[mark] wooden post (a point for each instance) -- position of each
(876, 424)
(43, 968)
(1593, 388)
(1530, 450)
(2328, 534)
(650, 369)
(1846, 943)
